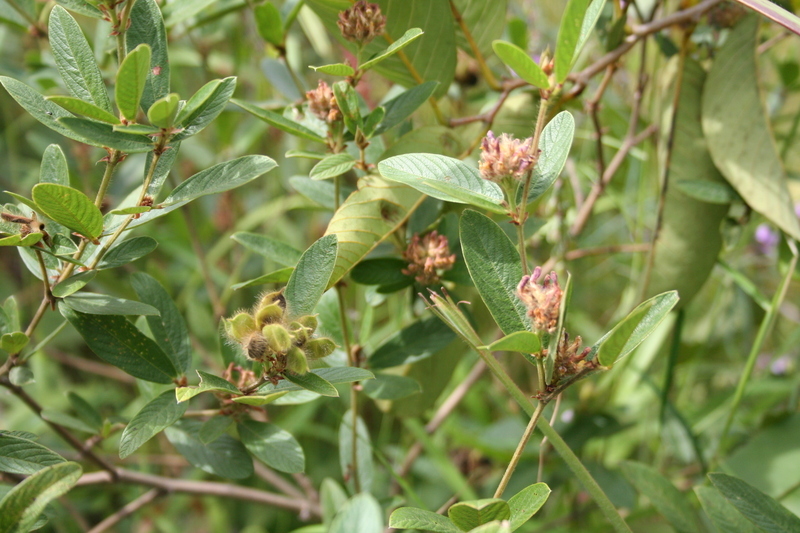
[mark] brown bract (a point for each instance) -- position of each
(322, 103)
(362, 22)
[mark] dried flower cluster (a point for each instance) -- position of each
(570, 359)
(322, 103)
(504, 156)
(362, 22)
(428, 258)
(267, 336)
(542, 300)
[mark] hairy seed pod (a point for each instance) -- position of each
(256, 347)
(319, 348)
(296, 361)
(310, 322)
(240, 326)
(269, 314)
(278, 339)
(272, 297)
(300, 333)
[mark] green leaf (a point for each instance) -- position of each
(135, 210)
(69, 421)
(118, 342)
(274, 446)
(131, 78)
(471, 514)
(18, 240)
(402, 106)
(555, 145)
(137, 130)
(527, 503)
(102, 304)
(348, 102)
(709, 192)
(82, 7)
(23, 504)
(69, 207)
(268, 23)
(391, 387)
(494, 265)
(569, 34)
(485, 21)
(363, 452)
(205, 105)
(759, 508)
(413, 343)
(85, 411)
(73, 284)
(445, 178)
(380, 271)
(54, 168)
(147, 27)
(75, 60)
(279, 276)
(20, 455)
(319, 192)
(103, 135)
(407, 38)
(277, 251)
(214, 428)
(21, 376)
(208, 383)
(372, 120)
(361, 513)
(635, 328)
(82, 107)
(412, 518)
(310, 277)
(168, 328)
(279, 121)
(774, 12)
(14, 342)
(722, 513)
(669, 501)
(520, 62)
(157, 415)
(225, 456)
(332, 166)
(268, 393)
(732, 104)
(312, 382)
(163, 111)
(495, 526)
(519, 341)
(127, 251)
(336, 69)
(590, 18)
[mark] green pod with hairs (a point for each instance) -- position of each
(319, 348)
(277, 337)
(240, 326)
(296, 361)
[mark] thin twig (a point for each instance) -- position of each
(593, 107)
(542, 446)
(274, 479)
(132, 507)
(485, 70)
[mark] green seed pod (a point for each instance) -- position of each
(296, 361)
(269, 314)
(319, 348)
(256, 347)
(272, 297)
(300, 333)
(240, 326)
(310, 322)
(278, 339)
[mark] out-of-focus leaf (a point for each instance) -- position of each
(362, 455)
(23, 504)
(380, 271)
(774, 12)
(277, 251)
(204, 106)
(413, 343)
(279, 276)
(485, 22)
(413, 518)
(391, 387)
(527, 503)
(225, 456)
(214, 428)
(311, 277)
(471, 514)
(569, 34)
(127, 251)
(274, 446)
(102, 304)
(14, 342)
(279, 121)
(669, 501)
(313, 382)
(268, 22)
(759, 508)
(402, 106)
(82, 7)
(360, 513)
(722, 513)
(157, 415)
(336, 69)
(54, 168)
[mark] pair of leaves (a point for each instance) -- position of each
(341, 69)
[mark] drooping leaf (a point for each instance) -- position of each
(102, 304)
(363, 452)
(68, 421)
(20, 455)
(471, 514)
(526, 503)
(158, 414)
(147, 27)
(131, 78)
(127, 251)
(277, 251)
(722, 513)
(279, 121)
(225, 456)
(360, 513)
(402, 106)
(311, 277)
(759, 508)
(274, 446)
(391, 387)
(23, 504)
(662, 494)
(102, 135)
(204, 106)
(413, 343)
(407, 38)
(118, 342)
(69, 207)
(413, 518)
(494, 265)
(520, 62)
(312, 382)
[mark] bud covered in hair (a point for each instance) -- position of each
(362, 22)
(542, 300)
(503, 157)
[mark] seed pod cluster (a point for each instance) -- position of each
(267, 335)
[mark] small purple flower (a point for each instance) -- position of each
(767, 239)
(542, 300)
(505, 156)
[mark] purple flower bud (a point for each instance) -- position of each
(542, 300)
(504, 156)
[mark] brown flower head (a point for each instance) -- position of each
(362, 22)
(505, 156)
(543, 301)
(428, 258)
(571, 358)
(322, 103)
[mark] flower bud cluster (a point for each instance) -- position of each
(267, 335)
(503, 157)
(428, 258)
(362, 22)
(570, 358)
(542, 300)
(322, 103)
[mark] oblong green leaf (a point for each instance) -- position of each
(380, 271)
(313, 382)
(225, 456)
(471, 514)
(69, 207)
(20, 455)
(279, 121)
(669, 501)
(102, 304)
(445, 178)
(408, 37)
(635, 328)
(519, 341)
(336, 69)
(75, 60)
(722, 513)
(520, 62)
(23, 504)
(208, 383)
(54, 168)
(147, 27)
(268, 23)
(527, 503)
(73, 284)
(494, 265)
(204, 106)
(311, 277)
(163, 111)
(157, 415)
(131, 77)
(274, 446)
(759, 508)
(413, 518)
(555, 145)
(332, 166)
(569, 34)
(104, 135)
(402, 106)
(118, 342)
(82, 107)
(127, 251)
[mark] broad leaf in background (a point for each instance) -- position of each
(774, 12)
(471, 514)
(274, 446)
(413, 518)
(391, 387)
(408, 37)
(520, 62)
(131, 78)
(413, 343)
(279, 121)
(225, 456)
(268, 22)
(102, 304)
(361, 513)
(495, 268)
(54, 168)
(147, 27)
(23, 504)
(331, 166)
(336, 69)
(363, 452)
(20, 455)
(669, 501)
(158, 414)
(722, 513)
(732, 104)
(278, 251)
(527, 503)
(117, 341)
(311, 277)
(760, 509)
(367, 217)
(402, 106)
(312, 382)
(635, 328)
(127, 251)
(593, 12)
(69, 207)
(485, 22)
(445, 178)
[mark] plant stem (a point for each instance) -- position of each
(541, 118)
(353, 389)
(518, 452)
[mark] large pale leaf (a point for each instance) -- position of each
(274, 446)
(485, 22)
(363, 452)
(722, 513)
(662, 494)
(277, 251)
(569, 34)
(147, 27)
(158, 414)
(54, 168)
(494, 265)
(311, 277)
(23, 504)
(367, 217)
(762, 510)
(732, 107)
